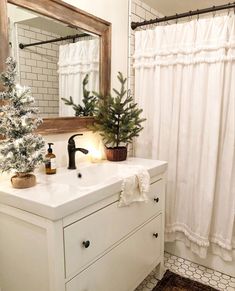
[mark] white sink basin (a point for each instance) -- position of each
(57, 196)
(91, 175)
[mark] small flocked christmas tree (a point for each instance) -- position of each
(118, 118)
(22, 149)
(87, 109)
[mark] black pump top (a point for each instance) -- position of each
(50, 149)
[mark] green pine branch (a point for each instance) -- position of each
(88, 107)
(117, 118)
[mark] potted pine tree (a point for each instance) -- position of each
(22, 149)
(118, 120)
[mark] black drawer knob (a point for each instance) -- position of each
(155, 235)
(86, 244)
(156, 200)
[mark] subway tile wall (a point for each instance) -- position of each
(138, 11)
(38, 68)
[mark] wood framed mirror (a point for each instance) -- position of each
(74, 19)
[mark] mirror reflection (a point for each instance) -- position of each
(57, 61)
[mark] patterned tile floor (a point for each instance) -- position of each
(193, 271)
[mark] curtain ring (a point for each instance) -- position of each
(214, 12)
(153, 23)
(145, 24)
(229, 8)
(197, 14)
(176, 18)
(190, 15)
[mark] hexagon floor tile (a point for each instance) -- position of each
(193, 271)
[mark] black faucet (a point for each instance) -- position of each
(72, 150)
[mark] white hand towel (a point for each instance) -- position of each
(135, 186)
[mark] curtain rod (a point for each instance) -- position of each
(22, 46)
(134, 25)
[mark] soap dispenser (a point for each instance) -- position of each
(50, 164)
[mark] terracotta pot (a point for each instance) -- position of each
(23, 180)
(116, 154)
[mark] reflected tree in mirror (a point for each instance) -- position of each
(89, 101)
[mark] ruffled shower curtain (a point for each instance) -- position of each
(75, 61)
(185, 82)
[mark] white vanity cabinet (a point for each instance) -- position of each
(126, 265)
(100, 247)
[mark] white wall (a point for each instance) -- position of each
(17, 14)
(116, 12)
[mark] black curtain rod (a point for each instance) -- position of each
(22, 46)
(134, 25)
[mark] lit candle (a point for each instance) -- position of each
(96, 156)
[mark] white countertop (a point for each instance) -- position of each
(55, 196)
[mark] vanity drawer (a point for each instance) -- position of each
(88, 238)
(126, 265)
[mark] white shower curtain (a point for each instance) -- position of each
(75, 61)
(185, 82)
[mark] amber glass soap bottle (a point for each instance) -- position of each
(50, 164)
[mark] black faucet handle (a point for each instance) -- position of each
(71, 139)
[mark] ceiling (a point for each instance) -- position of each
(20, 15)
(170, 7)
